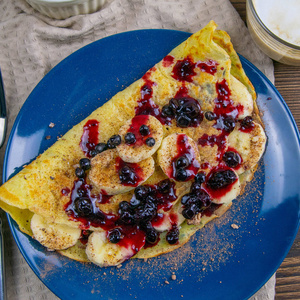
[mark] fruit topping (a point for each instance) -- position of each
(144, 130)
(142, 135)
(232, 159)
(129, 138)
(89, 138)
(221, 179)
(186, 110)
(172, 236)
(79, 172)
(83, 206)
(85, 164)
(150, 142)
(115, 235)
(114, 141)
(200, 177)
(210, 116)
(247, 124)
(179, 157)
(127, 175)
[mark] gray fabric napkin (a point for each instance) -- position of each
(32, 44)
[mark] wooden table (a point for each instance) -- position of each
(287, 81)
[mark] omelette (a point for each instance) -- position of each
(157, 162)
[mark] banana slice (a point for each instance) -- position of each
(141, 138)
(112, 175)
(222, 185)
(165, 220)
(103, 253)
(250, 145)
(241, 97)
(178, 157)
(54, 236)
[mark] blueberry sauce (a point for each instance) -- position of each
(133, 173)
(89, 138)
(168, 61)
(184, 70)
(212, 140)
(209, 67)
(134, 128)
(83, 207)
(184, 149)
(146, 106)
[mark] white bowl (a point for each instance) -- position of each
(62, 9)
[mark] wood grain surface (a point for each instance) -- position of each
(287, 82)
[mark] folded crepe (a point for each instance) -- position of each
(154, 164)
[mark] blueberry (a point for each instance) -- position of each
(115, 235)
(93, 153)
(85, 164)
(126, 175)
(174, 105)
(141, 192)
(186, 199)
(114, 141)
(183, 121)
(221, 179)
(232, 159)
(124, 206)
(195, 188)
(150, 141)
(203, 199)
(181, 175)
(167, 111)
(79, 172)
(182, 162)
(145, 212)
(172, 236)
(200, 177)
(134, 202)
(247, 122)
(144, 130)
(100, 147)
(83, 206)
(151, 236)
(210, 116)
(130, 138)
(190, 211)
(164, 186)
(126, 217)
(228, 124)
(191, 109)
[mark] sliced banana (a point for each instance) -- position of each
(103, 253)
(166, 220)
(241, 97)
(107, 166)
(54, 236)
(226, 193)
(176, 146)
(249, 144)
(138, 149)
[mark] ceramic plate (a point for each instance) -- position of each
(219, 262)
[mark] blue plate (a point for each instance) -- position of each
(219, 262)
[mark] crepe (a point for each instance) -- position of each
(178, 146)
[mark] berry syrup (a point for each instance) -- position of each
(186, 150)
(134, 128)
(89, 138)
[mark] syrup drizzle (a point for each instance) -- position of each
(185, 149)
(89, 138)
